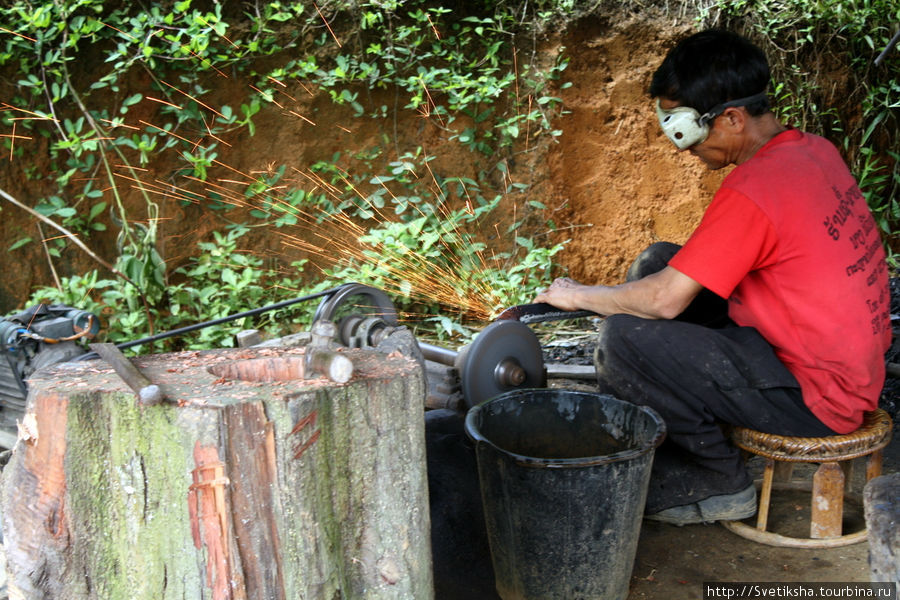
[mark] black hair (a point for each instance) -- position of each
(710, 68)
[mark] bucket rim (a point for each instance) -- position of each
(566, 463)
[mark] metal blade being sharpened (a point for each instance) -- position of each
(541, 311)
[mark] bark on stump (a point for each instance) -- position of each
(249, 482)
(881, 502)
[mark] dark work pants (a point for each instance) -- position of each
(698, 372)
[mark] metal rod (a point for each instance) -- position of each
(888, 48)
(148, 393)
(438, 354)
(248, 313)
(893, 370)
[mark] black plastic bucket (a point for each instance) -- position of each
(564, 479)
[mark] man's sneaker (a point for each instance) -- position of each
(727, 507)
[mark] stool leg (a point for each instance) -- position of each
(827, 501)
(849, 467)
(873, 465)
(765, 494)
(783, 471)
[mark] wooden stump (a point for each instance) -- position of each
(881, 502)
(249, 482)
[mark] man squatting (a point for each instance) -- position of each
(774, 315)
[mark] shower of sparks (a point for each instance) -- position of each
(331, 237)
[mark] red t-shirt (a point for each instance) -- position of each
(789, 240)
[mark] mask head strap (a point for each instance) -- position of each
(686, 127)
(717, 110)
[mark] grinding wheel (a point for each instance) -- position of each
(354, 300)
(505, 355)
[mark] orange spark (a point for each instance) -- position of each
(516, 71)
(115, 124)
(25, 37)
(528, 124)
(209, 62)
(223, 36)
(430, 100)
(34, 115)
(212, 135)
(266, 95)
(284, 93)
(344, 128)
(206, 106)
(324, 20)
(173, 134)
(296, 114)
(58, 237)
(163, 102)
(134, 39)
(433, 28)
(12, 142)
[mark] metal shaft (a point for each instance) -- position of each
(438, 354)
(148, 393)
(507, 372)
(196, 326)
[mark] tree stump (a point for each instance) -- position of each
(248, 482)
(881, 502)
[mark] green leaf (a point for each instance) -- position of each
(229, 277)
(96, 210)
(19, 243)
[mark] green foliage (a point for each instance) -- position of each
(219, 281)
(469, 72)
(447, 65)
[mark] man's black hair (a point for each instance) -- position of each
(712, 67)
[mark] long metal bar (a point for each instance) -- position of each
(247, 313)
(438, 354)
(888, 48)
(148, 393)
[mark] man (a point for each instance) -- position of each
(789, 241)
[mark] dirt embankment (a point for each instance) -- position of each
(612, 183)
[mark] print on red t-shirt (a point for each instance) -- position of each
(790, 241)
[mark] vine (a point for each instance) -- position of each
(447, 67)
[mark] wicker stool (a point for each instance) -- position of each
(780, 452)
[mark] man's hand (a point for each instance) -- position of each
(662, 295)
(561, 294)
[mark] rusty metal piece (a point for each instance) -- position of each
(148, 393)
(540, 312)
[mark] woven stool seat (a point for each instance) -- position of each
(833, 454)
(873, 434)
